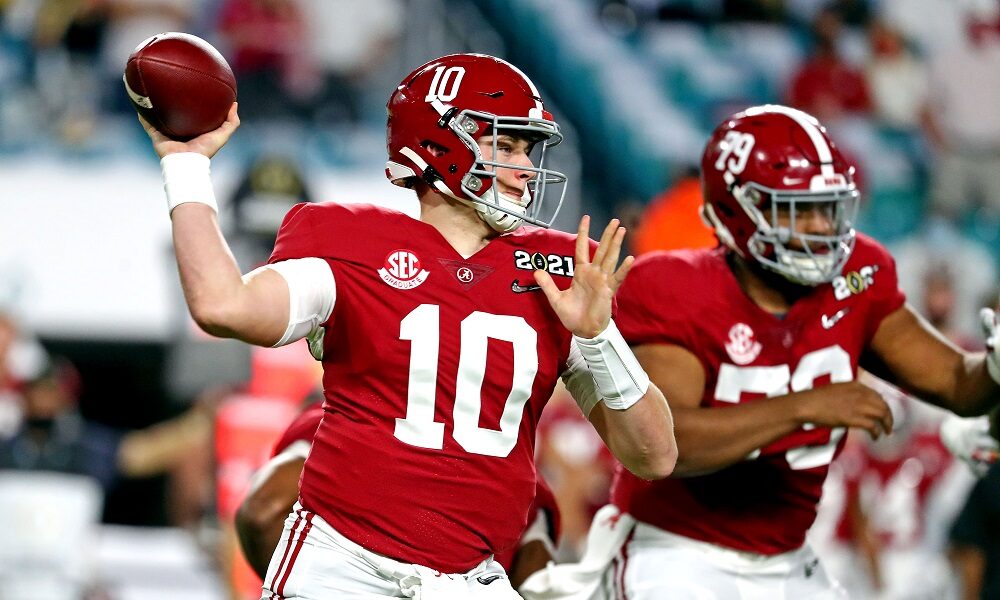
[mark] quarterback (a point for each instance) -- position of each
(441, 338)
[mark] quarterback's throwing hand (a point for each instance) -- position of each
(207, 143)
(585, 308)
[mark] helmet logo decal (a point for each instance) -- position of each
(402, 270)
(443, 77)
(735, 153)
(742, 347)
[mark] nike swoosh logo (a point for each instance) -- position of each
(517, 288)
(829, 322)
(487, 580)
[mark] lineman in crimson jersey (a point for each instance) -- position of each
(441, 338)
(757, 343)
(275, 488)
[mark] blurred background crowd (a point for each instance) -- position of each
(127, 439)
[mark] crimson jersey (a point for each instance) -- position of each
(691, 299)
(304, 427)
(436, 369)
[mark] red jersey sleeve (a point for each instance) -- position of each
(652, 303)
(302, 428)
(298, 234)
(875, 268)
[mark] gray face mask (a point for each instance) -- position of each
(785, 247)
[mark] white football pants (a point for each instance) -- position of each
(655, 564)
(315, 562)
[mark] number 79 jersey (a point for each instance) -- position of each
(436, 369)
(766, 503)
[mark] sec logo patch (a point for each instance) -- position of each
(402, 270)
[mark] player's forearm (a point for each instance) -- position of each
(710, 439)
(976, 392)
(966, 388)
(642, 437)
(258, 540)
(261, 517)
(155, 449)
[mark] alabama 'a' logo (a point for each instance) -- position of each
(402, 270)
(742, 347)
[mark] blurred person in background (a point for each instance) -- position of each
(970, 268)
(463, 131)
(826, 85)
(268, 48)
(573, 459)
(270, 186)
(9, 392)
(938, 304)
(902, 492)
(68, 39)
(758, 344)
(960, 119)
(349, 42)
(22, 357)
(896, 78)
(54, 436)
(275, 488)
(772, 11)
(671, 220)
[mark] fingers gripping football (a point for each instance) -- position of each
(585, 308)
(208, 143)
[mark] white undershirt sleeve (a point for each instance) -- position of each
(579, 382)
(312, 293)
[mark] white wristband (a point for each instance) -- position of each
(186, 179)
(619, 377)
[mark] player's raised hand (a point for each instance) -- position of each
(585, 307)
(207, 143)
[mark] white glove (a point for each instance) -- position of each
(582, 581)
(970, 441)
(991, 330)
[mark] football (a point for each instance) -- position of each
(180, 84)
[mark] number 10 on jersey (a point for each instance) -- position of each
(422, 327)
